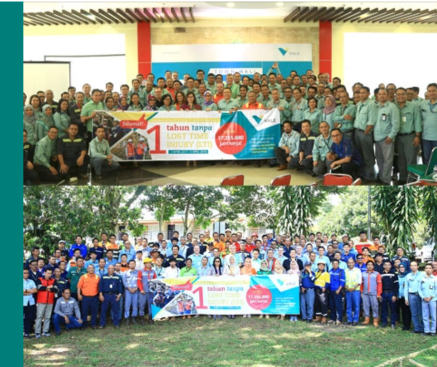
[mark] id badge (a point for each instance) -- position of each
(431, 287)
(404, 118)
(110, 286)
(384, 117)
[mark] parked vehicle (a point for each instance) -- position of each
(428, 251)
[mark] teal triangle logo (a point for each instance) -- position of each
(257, 119)
(280, 282)
(283, 51)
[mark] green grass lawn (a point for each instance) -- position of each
(240, 342)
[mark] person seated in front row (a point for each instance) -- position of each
(101, 158)
(304, 161)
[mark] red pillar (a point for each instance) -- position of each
(325, 47)
(144, 49)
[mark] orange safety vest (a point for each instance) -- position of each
(246, 106)
(130, 150)
(141, 147)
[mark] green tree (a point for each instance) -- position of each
(397, 207)
(429, 209)
(51, 213)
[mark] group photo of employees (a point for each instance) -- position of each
(354, 261)
(165, 111)
(246, 183)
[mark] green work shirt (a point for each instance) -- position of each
(276, 86)
(329, 118)
(62, 120)
(87, 99)
(264, 101)
(320, 102)
(339, 114)
(364, 114)
(226, 106)
(298, 110)
(321, 147)
(99, 149)
(291, 141)
(146, 93)
(411, 119)
(141, 93)
(387, 121)
(42, 129)
(235, 90)
(314, 117)
(211, 107)
(88, 109)
(429, 117)
(170, 108)
(132, 107)
(286, 114)
(417, 100)
(188, 272)
(211, 88)
(31, 132)
(241, 101)
(44, 151)
(73, 276)
(194, 90)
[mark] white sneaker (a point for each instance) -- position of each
(37, 336)
(244, 316)
(249, 316)
(45, 334)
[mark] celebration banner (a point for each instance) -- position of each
(191, 135)
(225, 295)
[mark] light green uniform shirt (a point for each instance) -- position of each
(315, 118)
(44, 151)
(291, 141)
(163, 108)
(321, 147)
(211, 88)
(262, 100)
(286, 114)
(329, 118)
(141, 93)
(339, 114)
(320, 102)
(411, 119)
(364, 114)
(235, 90)
(212, 107)
(298, 110)
(226, 106)
(194, 90)
(241, 101)
(276, 86)
(387, 121)
(88, 109)
(429, 117)
(31, 132)
(41, 129)
(99, 149)
(185, 272)
(135, 108)
(62, 120)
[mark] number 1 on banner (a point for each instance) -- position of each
(157, 150)
(201, 305)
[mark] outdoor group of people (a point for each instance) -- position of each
(336, 276)
(325, 128)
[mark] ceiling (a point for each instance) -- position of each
(107, 12)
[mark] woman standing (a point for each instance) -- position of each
(217, 271)
(294, 269)
(232, 270)
(191, 104)
(248, 270)
(123, 105)
(110, 104)
(167, 103)
(62, 118)
(151, 103)
(180, 101)
(45, 122)
(29, 124)
(313, 114)
(208, 104)
(279, 270)
(406, 312)
(35, 102)
(135, 104)
(328, 111)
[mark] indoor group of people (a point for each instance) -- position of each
(326, 128)
(339, 280)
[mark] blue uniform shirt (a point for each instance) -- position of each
(337, 277)
(110, 284)
(83, 250)
(99, 251)
(412, 283)
(346, 149)
(131, 253)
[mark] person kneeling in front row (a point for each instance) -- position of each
(101, 158)
(65, 308)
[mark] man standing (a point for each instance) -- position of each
(74, 275)
(29, 289)
(89, 112)
(353, 282)
(408, 139)
(429, 116)
(128, 250)
(390, 293)
(130, 282)
(344, 116)
(428, 293)
(65, 308)
(412, 297)
(227, 104)
(280, 104)
(47, 289)
(371, 289)
(101, 158)
(87, 292)
(364, 121)
(146, 295)
(336, 284)
(110, 292)
(75, 110)
(80, 246)
(322, 283)
(298, 106)
(288, 146)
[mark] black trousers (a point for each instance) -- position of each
(306, 164)
(46, 175)
(74, 169)
(29, 176)
(321, 303)
(29, 313)
(347, 168)
(281, 156)
(406, 314)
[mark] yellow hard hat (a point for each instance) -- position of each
(147, 260)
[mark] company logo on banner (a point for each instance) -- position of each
(242, 70)
(189, 135)
(267, 294)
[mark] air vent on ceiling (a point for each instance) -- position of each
(179, 30)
